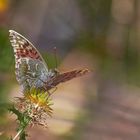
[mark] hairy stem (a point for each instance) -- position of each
(19, 132)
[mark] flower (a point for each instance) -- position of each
(36, 105)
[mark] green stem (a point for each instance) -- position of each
(19, 132)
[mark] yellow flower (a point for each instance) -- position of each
(35, 104)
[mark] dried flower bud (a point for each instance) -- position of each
(36, 105)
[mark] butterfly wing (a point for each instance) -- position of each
(31, 69)
(60, 78)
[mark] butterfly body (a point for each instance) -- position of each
(31, 69)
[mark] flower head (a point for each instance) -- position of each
(36, 105)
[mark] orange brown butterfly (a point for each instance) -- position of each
(31, 69)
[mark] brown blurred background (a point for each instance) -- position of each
(102, 35)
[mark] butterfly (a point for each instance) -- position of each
(30, 68)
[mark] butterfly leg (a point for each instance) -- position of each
(55, 88)
(50, 93)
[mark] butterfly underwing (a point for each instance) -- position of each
(31, 69)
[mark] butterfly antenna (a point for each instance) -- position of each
(55, 57)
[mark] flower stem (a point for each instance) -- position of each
(19, 132)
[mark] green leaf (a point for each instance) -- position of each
(23, 120)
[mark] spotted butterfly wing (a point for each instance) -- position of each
(63, 77)
(31, 69)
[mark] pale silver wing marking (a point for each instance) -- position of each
(31, 69)
(18, 41)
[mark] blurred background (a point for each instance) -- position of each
(102, 35)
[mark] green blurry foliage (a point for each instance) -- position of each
(51, 60)
(95, 46)
(6, 68)
(6, 53)
(124, 67)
